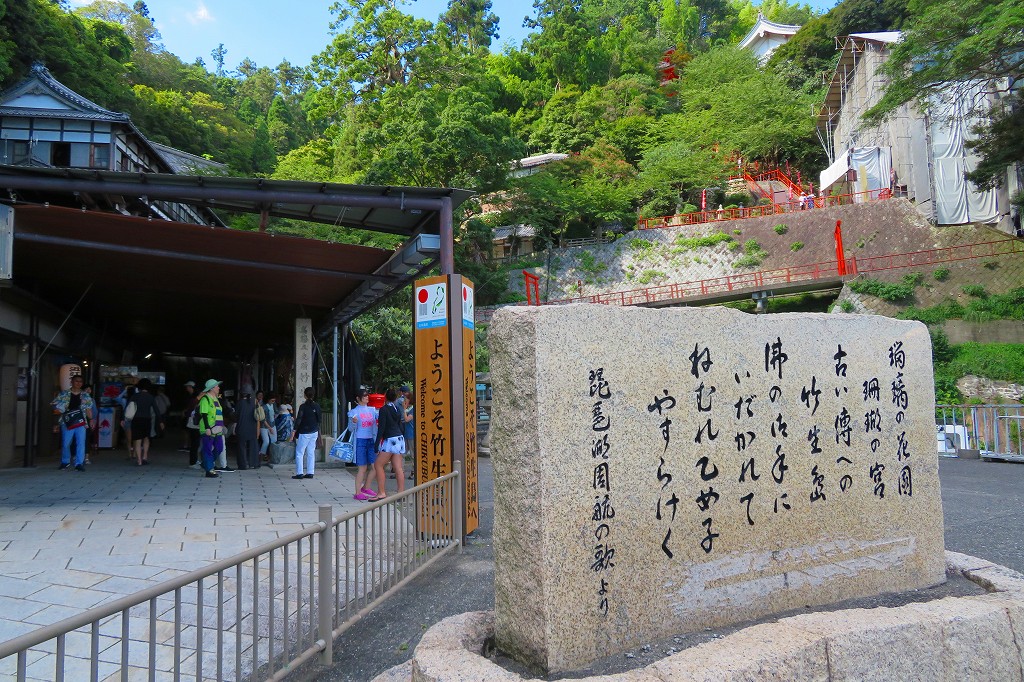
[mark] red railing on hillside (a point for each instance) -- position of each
(781, 277)
(725, 214)
(776, 175)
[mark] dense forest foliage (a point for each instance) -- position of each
(396, 99)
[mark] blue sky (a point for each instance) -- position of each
(268, 31)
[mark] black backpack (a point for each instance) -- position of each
(196, 415)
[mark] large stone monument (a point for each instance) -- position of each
(663, 471)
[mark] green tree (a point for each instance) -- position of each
(726, 99)
(567, 50)
(263, 157)
(470, 23)
(219, 54)
(956, 50)
(672, 169)
(1000, 144)
(428, 137)
(376, 46)
(385, 336)
(563, 126)
(574, 196)
(313, 161)
(281, 126)
(75, 50)
(135, 21)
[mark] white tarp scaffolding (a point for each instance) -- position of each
(871, 164)
(957, 201)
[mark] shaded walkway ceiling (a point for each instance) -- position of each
(155, 285)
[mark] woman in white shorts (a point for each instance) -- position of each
(390, 427)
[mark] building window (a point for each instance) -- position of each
(60, 154)
(99, 156)
(19, 151)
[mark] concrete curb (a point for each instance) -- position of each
(956, 638)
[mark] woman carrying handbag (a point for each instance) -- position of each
(363, 420)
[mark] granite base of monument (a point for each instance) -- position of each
(658, 472)
(948, 640)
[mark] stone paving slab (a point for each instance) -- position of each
(72, 540)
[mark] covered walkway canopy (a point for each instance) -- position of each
(205, 290)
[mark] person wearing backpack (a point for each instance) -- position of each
(211, 425)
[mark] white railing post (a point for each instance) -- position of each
(325, 587)
(458, 511)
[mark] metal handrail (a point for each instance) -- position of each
(320, 593)
(995, 430)
(803, 273)
(37, 637)
(727, 214)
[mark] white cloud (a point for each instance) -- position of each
(200, 16)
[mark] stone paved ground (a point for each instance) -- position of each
(70, 541)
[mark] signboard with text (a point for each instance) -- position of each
(445, 392)
(433, 394)
(303, 357)
(472, 520)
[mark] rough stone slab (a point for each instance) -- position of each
(819, 528)
(772, 651)
(978, 639)
(451, 651)
(1014, 604)
(997, 578)
(464, 631)
(964, 563)
(877, 644)
(399, 673)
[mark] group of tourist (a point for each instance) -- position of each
(258, 422)
(380, 435)
(380, 439)
(144, 413)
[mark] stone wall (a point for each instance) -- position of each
(662, 471)
(990, 390)
(994, 331)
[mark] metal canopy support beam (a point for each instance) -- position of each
(447, 237)
(334, 386)
(196, 257)
(183, 193)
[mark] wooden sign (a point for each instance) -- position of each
(445, 396)
(469, 456)
(433, 394)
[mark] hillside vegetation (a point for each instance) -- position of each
(394, 99)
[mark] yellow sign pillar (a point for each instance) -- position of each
(445, 392)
